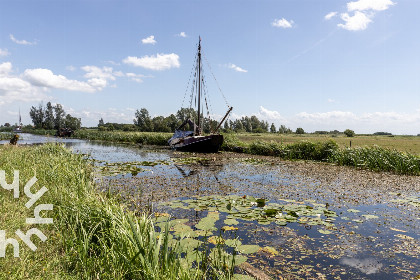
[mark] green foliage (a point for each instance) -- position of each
(300, 130)
(144, 138)
(378, 159)
(349, 133)
(53, 117)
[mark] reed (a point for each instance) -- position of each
(143, 138)
(371, 157)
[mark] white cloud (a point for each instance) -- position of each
(20, 42)
(149, 40)
(236, 68)
(330, 15)
(154, 62)
(46, 78)
(283, 23)
(266, 114)
(4, 52)
(359, 21)
(14, 88)
(364, 12)
(363, 5)
(135, 77)
(182, 34)
(330, 100)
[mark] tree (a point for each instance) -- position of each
(160, 125)
(284, 130)
(7, 124)
(172, 122)
(101, 122)
(300, 130)
(143, 120)
(49, 117)
(72, 122)
(273, 128)
(349, 133)
(59, 120)
(37, 116)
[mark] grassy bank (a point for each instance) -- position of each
(93, 236)
(409, 144)
(144, 138)
(369, 157)
(399, 154)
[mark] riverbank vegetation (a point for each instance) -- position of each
(93, 236)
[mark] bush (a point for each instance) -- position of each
(300, 130)
(349, 133)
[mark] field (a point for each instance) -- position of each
(410, 144)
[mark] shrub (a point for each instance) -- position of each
(349, 133)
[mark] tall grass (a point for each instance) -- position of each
(373, 158)
(93, 236)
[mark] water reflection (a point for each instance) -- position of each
(366, 266)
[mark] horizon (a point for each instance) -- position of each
(319, 65)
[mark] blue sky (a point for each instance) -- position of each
(315, 64)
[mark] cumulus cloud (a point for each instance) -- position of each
(282, 23)
(363, 5)
(156, 62)
(46, 78)
(330, 15)
(14, 88)
(149, 40)
(20, 42)
(267, 114)
(4, 52)
(364, 12)
(236, 68)
(359, 21)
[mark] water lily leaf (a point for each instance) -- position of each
(231, 222)
(353, 210)
(189, 243)
(233, 242)
(324, 231)
(239, 259)
(248, 249)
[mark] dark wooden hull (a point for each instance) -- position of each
(198, 144)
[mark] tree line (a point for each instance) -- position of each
(53, 117)
(144, 122)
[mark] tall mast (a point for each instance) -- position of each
(199, 84)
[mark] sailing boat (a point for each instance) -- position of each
(195, 141)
